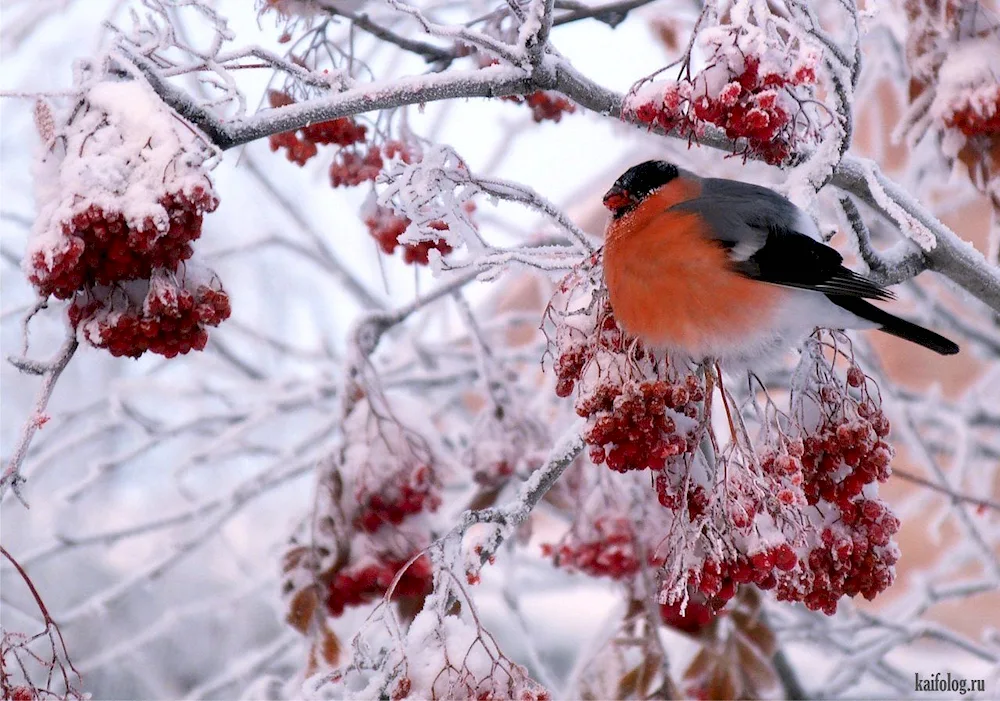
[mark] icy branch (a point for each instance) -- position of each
(505, 519)
(12, 478)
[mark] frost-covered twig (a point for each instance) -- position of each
(12, 478)
(954, 495)
(886, 270)
(505, 519)
(442, 58)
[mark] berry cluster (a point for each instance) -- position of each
(101, 247)
(608, 551)
(302, 144)
(366, 584)
(849, 561)
(385, 226)
(350, 168)
(695, 617)
(119, 208)
(712, 587)
(632, 423)
(630, 429)
(545, 105)
(353, 164)
(844, 456)
(372, 517)
(170, 321)
(756, 103)
(396, 502)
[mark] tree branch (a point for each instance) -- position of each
(610, 13)
(12, 478)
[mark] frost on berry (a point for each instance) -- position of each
(168, 315)
(755, 87)
(954, 88)
(426, 206)
(386, 227)
(122, 192)
(966, 105)
(605, 545)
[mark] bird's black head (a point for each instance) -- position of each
(636, 183)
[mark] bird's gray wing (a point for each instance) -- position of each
(763, 233)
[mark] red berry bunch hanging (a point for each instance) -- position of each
(100, 247)
(395, 501)
(122, 195)
(351, 167)
(545, 105)
(302, 144)
(391, 470)
(967, 88)
(170, 319)
(503, 442)
(977, 113)
(751, 89)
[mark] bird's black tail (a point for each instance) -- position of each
(896, 326)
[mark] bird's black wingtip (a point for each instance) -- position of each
(949, 348)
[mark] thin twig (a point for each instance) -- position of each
(12, 478)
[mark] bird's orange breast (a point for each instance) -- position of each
(672, 286)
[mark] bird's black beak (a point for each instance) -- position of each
(616, 199)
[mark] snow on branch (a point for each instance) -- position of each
(948, 255)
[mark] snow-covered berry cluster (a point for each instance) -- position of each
(752, 89)
(368, 582)
(503, 443)
(798, 515)
(122, 195)
(394, 501)
(167, 315)
(371, 522)
(390, 470)
(966, 105)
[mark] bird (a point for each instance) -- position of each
(730, 271)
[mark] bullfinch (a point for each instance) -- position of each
(722, 269)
